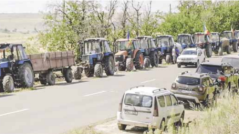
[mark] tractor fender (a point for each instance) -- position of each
(134, 53)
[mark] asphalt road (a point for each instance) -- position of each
(60, 108)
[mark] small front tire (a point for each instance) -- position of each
(122, 126)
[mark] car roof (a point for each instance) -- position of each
(194, 75)
(151, 91)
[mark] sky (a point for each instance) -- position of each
(36, 6)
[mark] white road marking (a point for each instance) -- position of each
(18, 111)
(148, 81)
(94, 93)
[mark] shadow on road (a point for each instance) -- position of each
(5, 95)
(136, 130)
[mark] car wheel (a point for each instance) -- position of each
(162, 125)
(122, 126)
(179, 65)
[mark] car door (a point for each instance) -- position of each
(176, 107)
(169, 109)
(162, 110)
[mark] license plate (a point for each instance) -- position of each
(131, 112)
(186, 92)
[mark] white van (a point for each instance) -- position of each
(149, 107)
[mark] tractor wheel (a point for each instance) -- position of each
(146, 62)
(220, 51)
(129, 64)
(77, 73)
(51, 78)
(121, 68)
(1, 88)
(235, 46)
(209, 50)
(109, 66)
(89, 72)
(139, 61)
(42, 78)
(8, 83)
(154, 59)
(68, 75)
(26, 75)
(168, 58)
(228, 50)
(98, 69)
(160, 61)
(174, 59)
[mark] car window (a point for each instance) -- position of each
(174, 100)
(205, 82)
(168, 100)
(209, 69)
(188, 80)
(161, 101)
(138, 100)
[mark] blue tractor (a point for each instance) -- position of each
(96, 57)
(216, 44)
(166, 46)
(15, 68)
(233, 41)
(186, 41)
(147, 46)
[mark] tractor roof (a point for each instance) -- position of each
(126, 39)
(97, 39)
(200, 33)
(184, 34)
(140, 37)
(227, 31)
(214, 32)
(5, 45)
(164, 36)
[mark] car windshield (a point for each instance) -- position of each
(92, 47)
(124, 45)
(162, 41)
(143, 43)
(5, 55)
(199, 38)
(189, 52)
(184, 40)
(232, 61)
(138, 100)
(188, 80)
(214, 37)
(209, 69)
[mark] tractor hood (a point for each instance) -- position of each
(125, 53)
(3, 64)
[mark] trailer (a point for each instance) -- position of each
(46, 64)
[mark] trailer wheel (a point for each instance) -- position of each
(68, 75)
(77, 73)
(8, 83)
(26, 75)
(98, 69)
(51, 78)
(42, 78)
(109, 66)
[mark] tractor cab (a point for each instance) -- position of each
(236, 34)
(96, 56)
(215, 38)
(232, 39)
(165, 44)
(186, 41)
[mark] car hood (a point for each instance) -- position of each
(188, 56)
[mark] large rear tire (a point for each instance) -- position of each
(26, 75)
(209, 50)
(8, 83)
(77, 73)
(129, 64)
(168, 58)
(139, 60)
(109, 66)
(122, 126)
(154, 60)
(235, 46)
(98, 69)
(68, 75)
(51, 78)
(89, 72)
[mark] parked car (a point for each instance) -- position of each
(191, 56)
(149, 107)
(196, 88)
(223, 73)
(233, 61)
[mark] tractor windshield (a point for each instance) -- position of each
(228, 35)
(143, 43)
(5, 55)
(124, 45)
(163, 42)
(184, 40)
(214, 37)
(92, 47)
(237, 34)
(199, 38)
